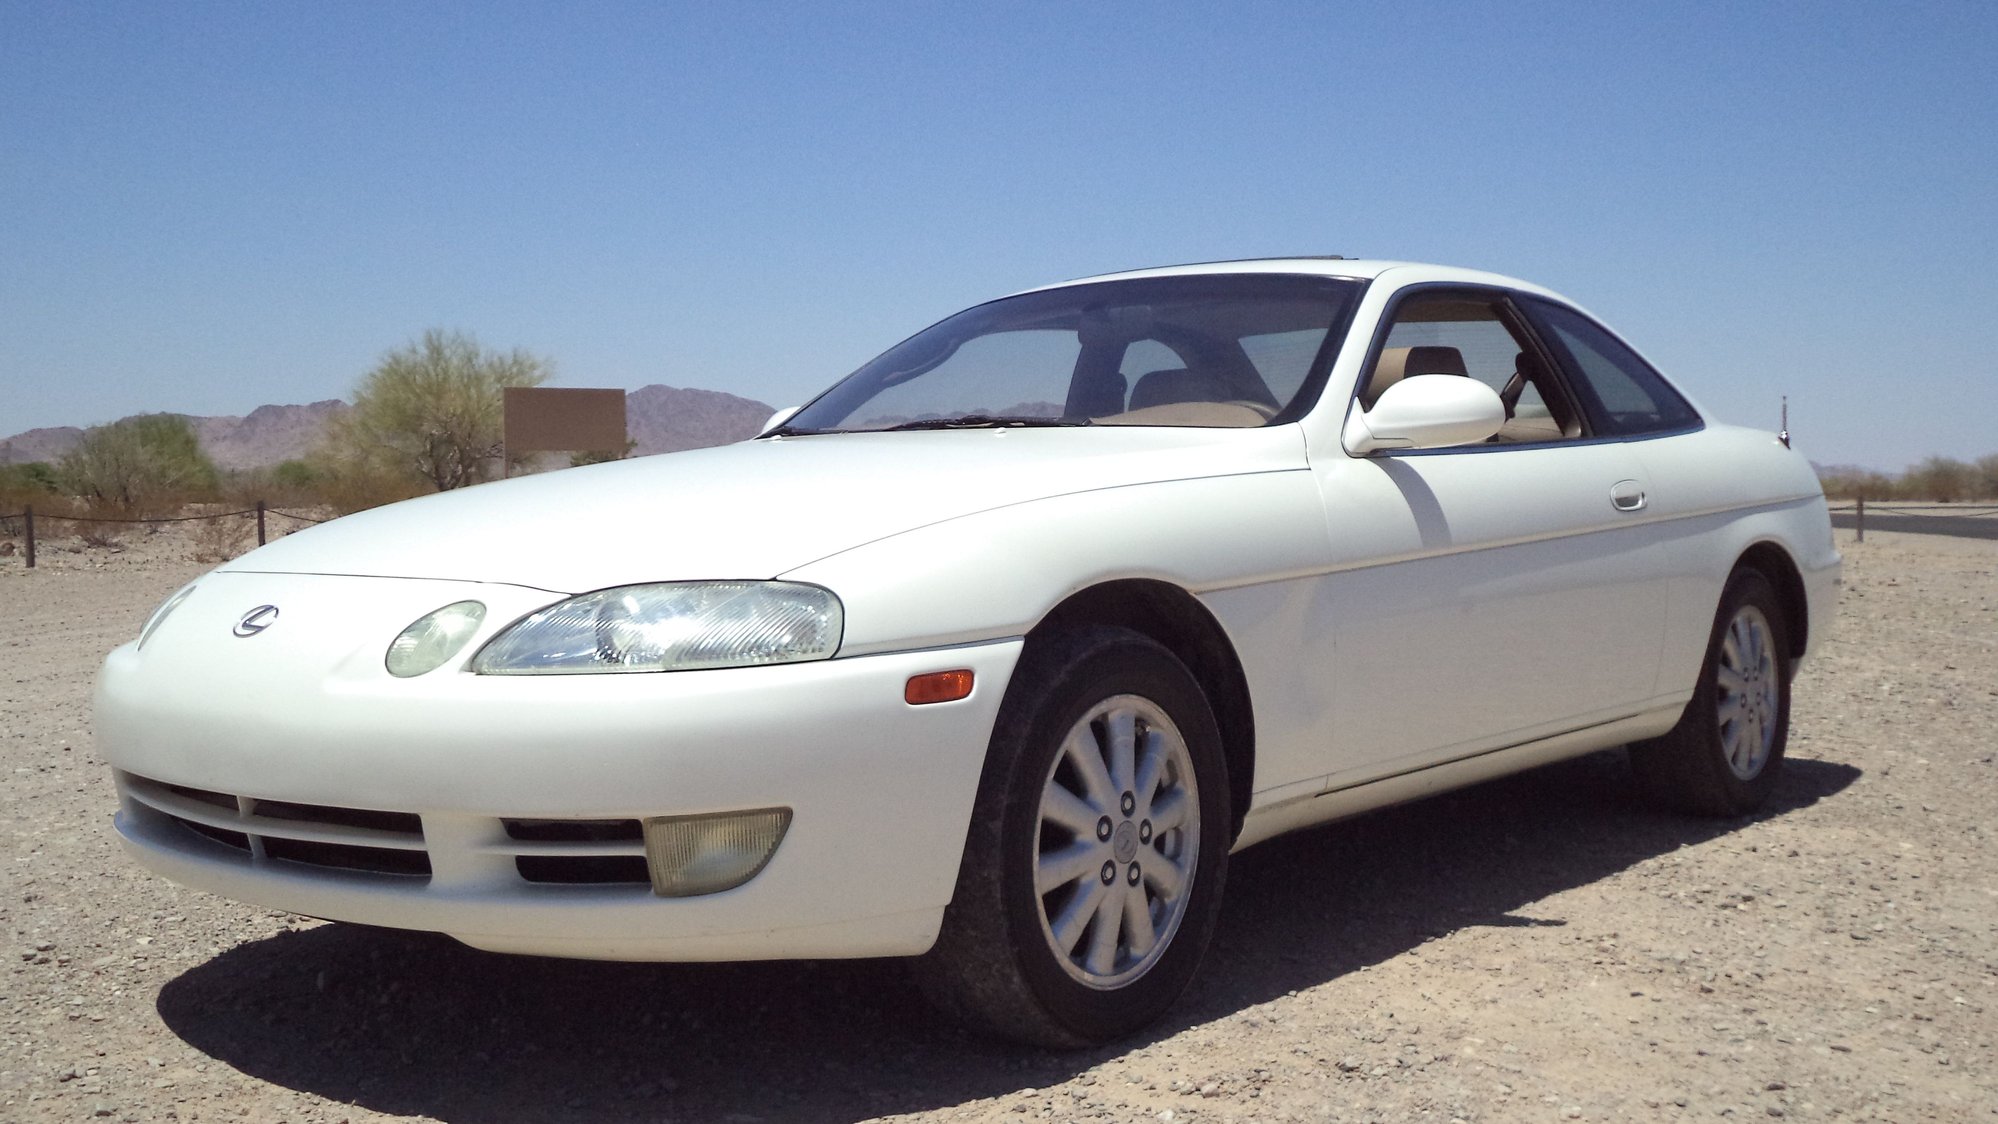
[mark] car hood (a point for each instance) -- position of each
(751, 510)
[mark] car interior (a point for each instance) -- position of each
(1472, 338)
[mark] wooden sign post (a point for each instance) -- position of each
(541, 419)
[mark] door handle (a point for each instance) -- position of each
(1627, 495)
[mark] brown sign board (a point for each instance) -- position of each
(564, 419)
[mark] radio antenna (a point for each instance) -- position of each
(1784, 434)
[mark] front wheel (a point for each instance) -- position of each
(1093, 867)
(1724, 756)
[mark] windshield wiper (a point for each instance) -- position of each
(793, 431)
(987, 421)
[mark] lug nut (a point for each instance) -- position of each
(1144, 831)
(1129, 803)
(1103, 830)
(1135, 874)
(1109, 873)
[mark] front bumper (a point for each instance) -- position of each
(881, 794)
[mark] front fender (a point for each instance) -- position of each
(994, 574)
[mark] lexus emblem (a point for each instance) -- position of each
(256, 620)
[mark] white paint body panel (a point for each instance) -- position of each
(1405, 622)
(463, 750)
(749, 510)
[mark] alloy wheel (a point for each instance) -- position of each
(1118, 842)
(1748, 702)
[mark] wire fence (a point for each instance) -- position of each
(1858, 508)
(1952, 511)
(29, 516)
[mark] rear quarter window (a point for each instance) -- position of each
(1624, 392)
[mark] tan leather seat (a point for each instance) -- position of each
(1178, 396)
(1537, 424)
(1397, 363)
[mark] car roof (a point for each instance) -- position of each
(1364, 269)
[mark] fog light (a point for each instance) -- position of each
(707, 854)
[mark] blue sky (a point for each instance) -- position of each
(206, 207)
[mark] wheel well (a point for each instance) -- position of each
(1172, 617)
(1775, 564)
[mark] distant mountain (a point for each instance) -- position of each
(39, 444)
(263, 437)
(666, 419)
(266, 435)
(662, 419)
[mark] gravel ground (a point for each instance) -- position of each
(1540, 948)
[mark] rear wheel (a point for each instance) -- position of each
(1092, 872)
(1724, 756)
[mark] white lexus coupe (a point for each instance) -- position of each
(990, 655)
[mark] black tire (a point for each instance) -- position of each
(996, 965)
(1689, 768)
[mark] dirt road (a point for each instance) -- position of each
(1542, 948)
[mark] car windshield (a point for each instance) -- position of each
(1238, 350)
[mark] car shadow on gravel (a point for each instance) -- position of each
(411, 1024)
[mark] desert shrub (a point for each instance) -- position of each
(348, 486)
(138, 467)
(290, 484)
(30, 479)
(295, 477)
(1848, 484)
(1987, 477)
(1941, 479)
(221, 538)
(602, 456)
(23, 486)
(428, 418)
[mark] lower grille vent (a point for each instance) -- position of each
(579, 852)
(347, 839)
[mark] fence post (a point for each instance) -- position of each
(1859, 518)
(260, 522)
(28, 518)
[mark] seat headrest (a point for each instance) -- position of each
(1161, 388)
(1397, 363)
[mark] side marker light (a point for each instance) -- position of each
(938, 687)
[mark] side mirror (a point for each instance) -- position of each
(1426, 412)
(777, 419)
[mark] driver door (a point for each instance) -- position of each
(1486, 595)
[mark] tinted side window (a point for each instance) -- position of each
(1473, 334)
(1630, 396)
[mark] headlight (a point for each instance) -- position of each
(673, 626)
(160, 614)
(433, 639)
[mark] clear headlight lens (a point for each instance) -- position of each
(671, 626)
(435, 637)
(160, 614)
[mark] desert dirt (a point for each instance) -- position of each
(1545, 947)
